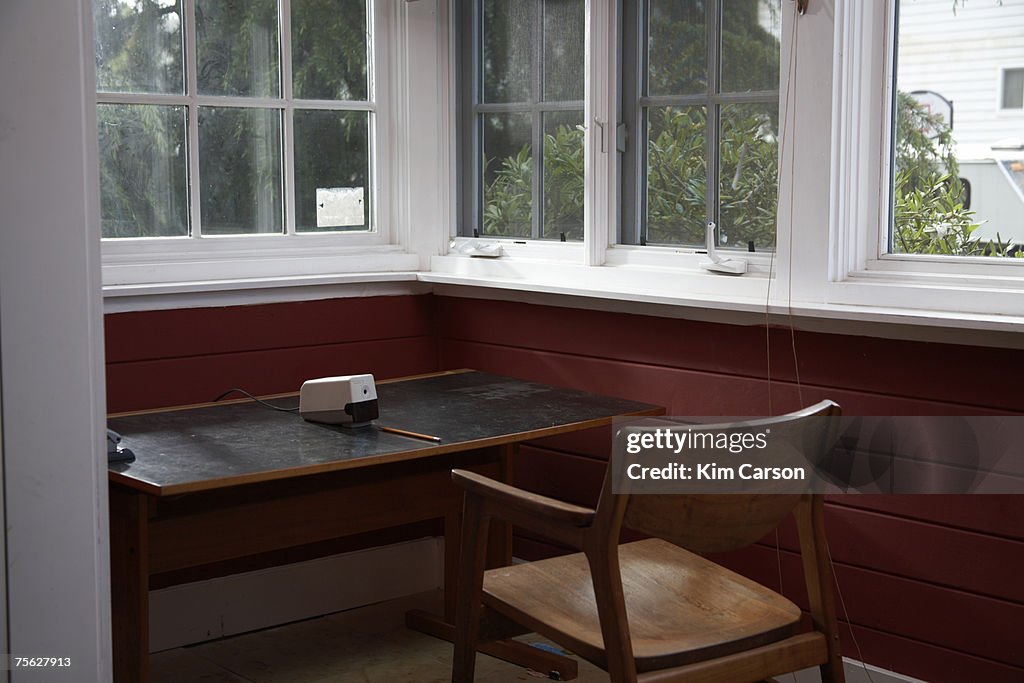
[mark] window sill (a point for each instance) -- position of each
(686, 285)
(123, 269)
(680, 292)
(695, 294)
(242, 291)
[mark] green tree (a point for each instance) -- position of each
(929, 216)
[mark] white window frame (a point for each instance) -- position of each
(860, 273)
(661, 271)
(828, 261)
(833, 186)
(193, 262)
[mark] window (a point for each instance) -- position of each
(701, 98)
(956, 161)
(234, 117)
(522, 119)
(1013, 89)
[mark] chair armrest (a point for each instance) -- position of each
(531, 510)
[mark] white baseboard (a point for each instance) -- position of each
(856, 672)
(206, 610)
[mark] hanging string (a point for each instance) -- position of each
(784, 140)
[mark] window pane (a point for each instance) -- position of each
(751, 30)
(951, 196)
(237, 47)
(143, 170)
(563, 175)
(138, 46)
(677, 47)
(240, 170)
(329, 40)
(332, 171)
(676, 175)
(564, 40)
(508, 47)
(748, 175)
(1013, 89)
(508, 175)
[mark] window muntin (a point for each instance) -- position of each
(522, 119)
(236, 117)
(953, 192)
(701, 91)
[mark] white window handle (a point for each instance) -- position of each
(717, 264)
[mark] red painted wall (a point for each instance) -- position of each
(177, 357)
(930, 583)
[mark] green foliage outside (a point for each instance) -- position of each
(508, 198)
(929, 216)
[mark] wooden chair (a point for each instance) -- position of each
(653, 610)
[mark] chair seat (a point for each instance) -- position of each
(681, 608)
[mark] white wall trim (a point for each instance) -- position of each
(856, 672)
(55, 470)
(4, 641)
(207, 610)
(217, 293)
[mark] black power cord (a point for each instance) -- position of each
(258, 400)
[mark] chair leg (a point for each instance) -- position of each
(611, 609)
(468, 607)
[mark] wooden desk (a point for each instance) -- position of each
(232, 480)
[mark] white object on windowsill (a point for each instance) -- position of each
(717, 264)
(481, 249)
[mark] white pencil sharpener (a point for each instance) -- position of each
(350, 400)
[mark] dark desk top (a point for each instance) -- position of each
(216, 446)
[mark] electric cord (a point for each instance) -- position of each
(258, 400)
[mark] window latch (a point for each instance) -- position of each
(717, 264)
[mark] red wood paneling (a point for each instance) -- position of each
(196, 379)
(951, 619)
(166, 358)
(923, 551)
(148, 335)
(570, 478)
(927, 662)
(945, 372)
(994, 515)
(681, 391)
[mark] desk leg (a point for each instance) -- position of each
(499, 554)
(499, 536)
(129, 579)
(452, 553)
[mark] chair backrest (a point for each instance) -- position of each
(725, 521)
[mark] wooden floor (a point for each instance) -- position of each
(367, 645)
